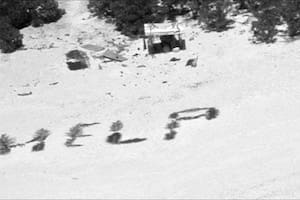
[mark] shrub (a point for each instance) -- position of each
(242, 4)
(271, 13)
(173, 8)
(46, 11)
(129, 16)
(102, 8)
(10, 37)
(291, 15)
(267, 13)
(17, 14)
(213, 14)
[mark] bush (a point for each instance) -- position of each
(46, 11)
(264, 29)
(291, 15)
(174, 8)
(128, 15)
(268, 15)
(17, 14)
(23, 12)
(213, 14)
(10, 37)
(242, 4)
(102, 8)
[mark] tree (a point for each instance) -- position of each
(213, 14)
(129, 15)
(268, 15)
(17, 14)
(291, 15)
(10, 37)
(173, 8)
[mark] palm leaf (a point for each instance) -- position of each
(6, 143)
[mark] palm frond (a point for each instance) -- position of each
(6, 143)
(75, 131)
(41, 134)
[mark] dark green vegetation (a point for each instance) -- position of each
(270, 13)
(17, 14)
(130, 15)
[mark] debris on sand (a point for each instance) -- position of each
(77, 60)
(174, 59)
(141, 66)
(92, 47)
(113, 56)
(25, 94)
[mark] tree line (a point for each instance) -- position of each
(130, 15)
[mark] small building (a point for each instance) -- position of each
(163, 37)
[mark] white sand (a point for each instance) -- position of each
(250, 151)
